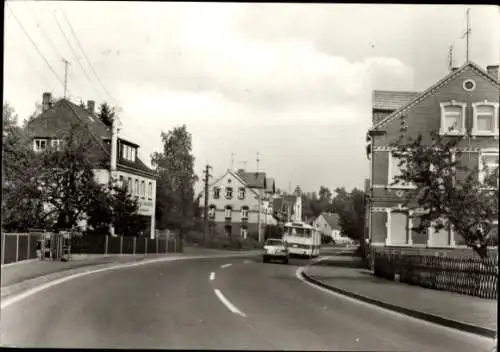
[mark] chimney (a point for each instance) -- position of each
(454, 69)
(46, 101)
(90, 106)
(493, 71)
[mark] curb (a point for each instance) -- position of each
(455, 324)
(18, 263)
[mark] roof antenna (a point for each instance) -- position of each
(232, 161)
(467, 35)
(258, 159)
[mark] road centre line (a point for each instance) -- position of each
(212, 276)
(228, 304)
(225, 266)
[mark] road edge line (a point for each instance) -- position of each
(450, 323)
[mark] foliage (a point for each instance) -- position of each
(176, 178)
(106, 114)
(463, 204)
(350, 206)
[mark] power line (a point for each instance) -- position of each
(34, 44)
(74, 54)
(46, 36)
(85, 55)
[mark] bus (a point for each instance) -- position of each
(302, 239)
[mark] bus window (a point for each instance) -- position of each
(308, 233)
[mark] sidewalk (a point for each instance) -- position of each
(345, 275)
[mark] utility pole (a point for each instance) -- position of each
(450, 58)
(66, 63)
(205, 209)
(467, 35)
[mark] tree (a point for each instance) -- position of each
(449, 194)
(176, 180)
(325, 194)
(350, 206)
(106, 114)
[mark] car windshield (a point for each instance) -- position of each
(274, 242)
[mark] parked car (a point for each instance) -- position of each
(275, 249)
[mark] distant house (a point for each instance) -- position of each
(125, 166)
(239, 203)
(329, 225)
(288, 207)
(464, 104)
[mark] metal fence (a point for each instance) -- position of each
(22, 246)
(466, 275)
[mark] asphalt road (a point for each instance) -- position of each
(175, 305)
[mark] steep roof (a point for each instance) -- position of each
(391, 100)
(50, 124)
(431, 90)
(332, 219)
(253, 179)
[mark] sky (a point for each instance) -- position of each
(292, 82)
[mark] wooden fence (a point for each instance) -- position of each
(466, 275)
(22, 246)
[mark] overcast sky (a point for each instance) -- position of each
(291, 81)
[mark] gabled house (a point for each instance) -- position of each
(464, 104)
(237, 204)
(288, 207)
(115, 158)
(329, 226)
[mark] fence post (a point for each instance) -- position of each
(29, 245)
(106, 245)
(146, 245)
(121, 244)
(175, 245)
(17, 247)
(166, 245)
(3, 248)
(133, 250)
(156, 244)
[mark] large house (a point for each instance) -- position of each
(465, 105)
(288, 207)
(116, 158)
(239, 204)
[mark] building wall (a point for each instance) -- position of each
(424, 117)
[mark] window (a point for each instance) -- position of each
(150, 190)
(128, 153)
(39, 145)
(241, 193)
(244, 233)
(216, 193)
(398, 228)
(121, 181)
(136, 189)
(395, 170)
(244, 213)
(228, 212)
(485, 119)
(130, 190)
(211, 212)
(441, 238)
(488, 166)
(452, 118)
(229, 192)
(143, 189)
(56, 144)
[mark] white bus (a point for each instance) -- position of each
(302, 239)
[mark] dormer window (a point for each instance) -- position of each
(129, 153)
(485, 119)
(39, 144)
(452, 118)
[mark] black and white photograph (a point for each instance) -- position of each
(250, 176)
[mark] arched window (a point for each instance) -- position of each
(244, 212)
(211, 211)
(228, 211)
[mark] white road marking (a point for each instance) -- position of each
(212, 276)
(30, 292)
(298, 274)
(247, 262)
(225, 266)
(228, 304)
